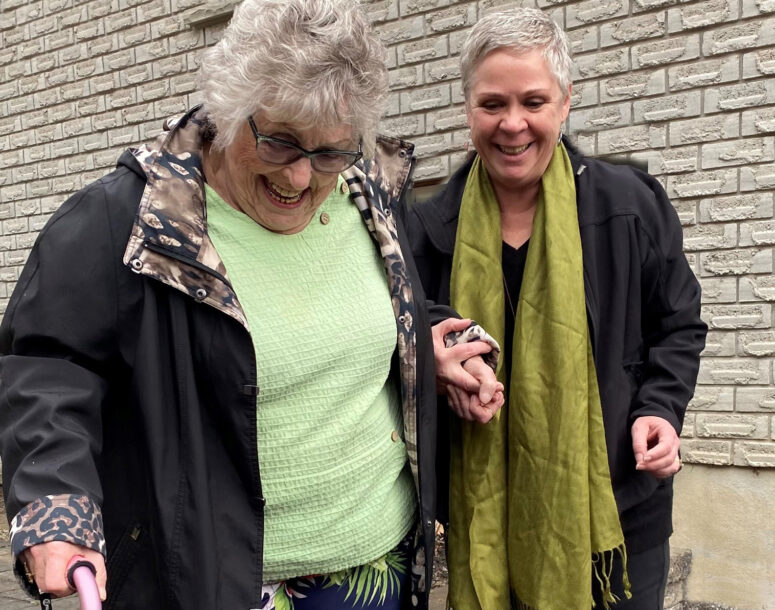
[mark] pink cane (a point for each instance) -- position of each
(81, 577)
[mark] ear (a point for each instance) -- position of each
(566, 103)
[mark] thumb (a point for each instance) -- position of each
(449, 325)
(639, 441)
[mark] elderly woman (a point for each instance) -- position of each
(217, 367)
(576, 267)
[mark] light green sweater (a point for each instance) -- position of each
(333, 465)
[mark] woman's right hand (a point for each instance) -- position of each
(470, 385)
(48, 561)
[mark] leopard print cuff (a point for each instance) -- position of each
(63, 517)
(475, 333)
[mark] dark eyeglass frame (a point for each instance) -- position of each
(354, 156)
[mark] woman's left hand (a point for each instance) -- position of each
(655, 444)
(482, 406)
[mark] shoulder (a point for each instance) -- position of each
(606, 190)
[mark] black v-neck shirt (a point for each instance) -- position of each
(513, 264)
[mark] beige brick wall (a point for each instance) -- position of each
(684, 87)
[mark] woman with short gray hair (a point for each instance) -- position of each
(576, 268)
(233, 397)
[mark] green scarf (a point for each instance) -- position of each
(533, 515)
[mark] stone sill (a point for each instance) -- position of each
(213, 13)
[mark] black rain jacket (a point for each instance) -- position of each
(643, 310)
(129, 383)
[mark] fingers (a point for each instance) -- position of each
(449, 325)
(47, 564)
(489, 384)
(468, 406)
(655, 444)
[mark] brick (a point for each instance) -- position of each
(182, 84)
(27, 208)
(65, 56)
(151, 51)
(703, 129)
(446, 119)
(632, 86)
(600, 64)
(456, 41)
(121, 60)
(186, 41)
(747, 35)
(737, 207)
(43, 26)
(733, 371)
(745, 95)
(638, 137)
(757, 233)
(137, 35)
(758, 121)
(702, 451)
(405, 78)
(93, 141)
(14, 192)
(14, 226)
(633, 29)
(447, 69)
(605, 117)
(403, 126)
(399, 31)
(584, 94)
(412, 7)
(148, 11)
(701, 15)
(49, 169)
(66, 185)
(757, 288)
(668, 107)
(670, 50)
(755, 400)
(121, 20)
(10, 124)
(704, 73)
(433, 145)
(719, 290)
(759, 344)
(732, 426)
(686, 209)
(9, 90)
(129, 96)
(584, 39)
(48, 133)
(100, 8)
(759, 63)
(425, 98)
(57, 40)
(123, 136)
(754, 8)
(713, 398)
(10, 159)
(166, 108)
(719, 343)
(758, 177)
(382, 10)
(73, 16)
(89, 30)
(79, 164)
(734, 317)
(57, 77)
(674, 160)
(702, 184)
(104, 45)
(434, 167)
(738, 152)
(591, 11)
(169, 66)
(756, 455)
(452, 18)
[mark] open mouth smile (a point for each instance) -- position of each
(512, 150)
(283, 196)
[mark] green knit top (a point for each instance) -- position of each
(334, 469)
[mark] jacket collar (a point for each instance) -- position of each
(169, 240)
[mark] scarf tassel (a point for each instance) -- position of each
(602, 567)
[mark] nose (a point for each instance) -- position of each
(298, 173)
(513, 119)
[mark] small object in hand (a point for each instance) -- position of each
(45, 601)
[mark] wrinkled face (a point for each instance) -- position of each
(515, 111)
(282, 198)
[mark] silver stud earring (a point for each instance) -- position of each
(562, 128)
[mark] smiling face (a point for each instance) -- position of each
(515, 110)
(281, 198)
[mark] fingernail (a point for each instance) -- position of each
(638, 458)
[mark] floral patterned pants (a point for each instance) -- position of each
(378, 585)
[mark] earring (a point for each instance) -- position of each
(562, 128)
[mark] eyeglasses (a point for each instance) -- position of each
(280, 152)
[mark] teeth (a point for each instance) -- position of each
(284, 195)
(514, 150)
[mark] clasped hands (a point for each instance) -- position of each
(472, 390)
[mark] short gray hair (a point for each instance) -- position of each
(517, 30)
(311, 61)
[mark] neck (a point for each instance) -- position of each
(213, 174)
(517, 211)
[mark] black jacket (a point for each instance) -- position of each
(643, 310)
(129, 383)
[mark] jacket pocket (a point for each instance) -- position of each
(121, 563)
